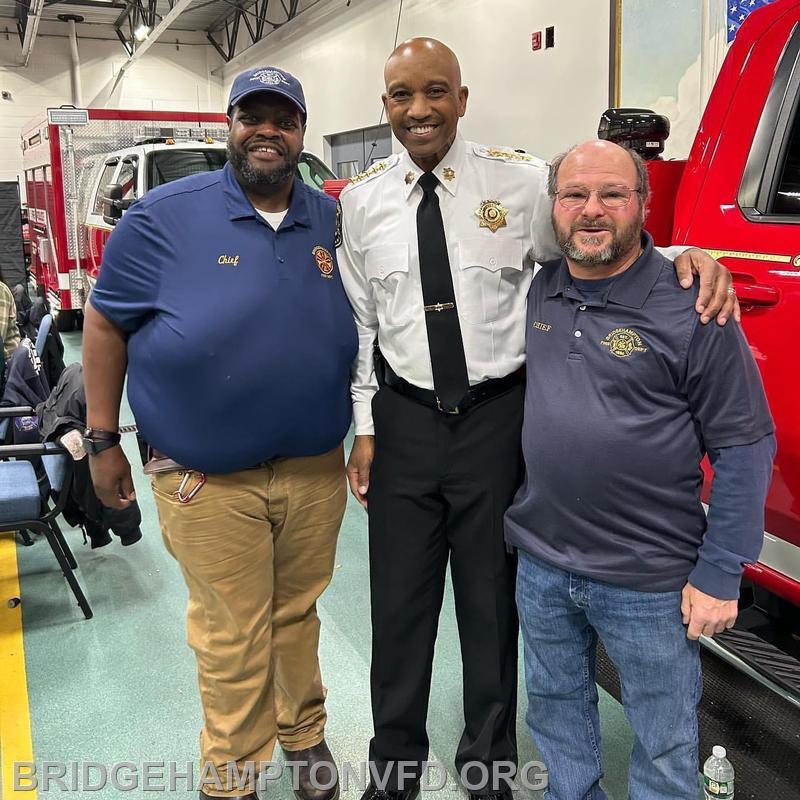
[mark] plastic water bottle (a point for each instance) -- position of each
(718, 776)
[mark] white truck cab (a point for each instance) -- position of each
(134, 170)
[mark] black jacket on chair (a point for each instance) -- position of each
(65, 410)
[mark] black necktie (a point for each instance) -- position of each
(450, 380)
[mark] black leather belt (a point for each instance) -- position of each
(479, 393)
(158, 462)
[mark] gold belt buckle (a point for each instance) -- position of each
(444, 410)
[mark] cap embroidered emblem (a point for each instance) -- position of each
(622, 342)
(491, 215)
(269, 77)
(324, 261)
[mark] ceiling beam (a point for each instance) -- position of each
(256, 11)
(261, 8)
(31, 27)
(120, 20)
(125, 43)
(228, 13)
(179, 7)
(86, 3)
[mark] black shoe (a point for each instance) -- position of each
(374, 793)
(308, 782)
(251, 796)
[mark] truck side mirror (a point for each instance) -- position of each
(638, 129)
(114, 204)
(112, 212)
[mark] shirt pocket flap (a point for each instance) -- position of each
(382, 261)
(490, 254)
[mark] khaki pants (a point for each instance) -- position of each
(256, 549)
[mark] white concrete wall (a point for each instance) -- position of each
(164, 78)
(542, 101)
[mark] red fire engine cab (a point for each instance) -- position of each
(738, 197)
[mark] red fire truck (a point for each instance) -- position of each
(66, 155)
(738, 197)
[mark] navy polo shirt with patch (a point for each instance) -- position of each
(240, 337)
(626, 391)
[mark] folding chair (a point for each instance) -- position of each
(21, 503)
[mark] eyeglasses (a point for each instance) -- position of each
(609, 196)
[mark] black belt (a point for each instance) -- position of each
(479, 393)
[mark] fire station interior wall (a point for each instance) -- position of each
(542, 101)
(166, 77)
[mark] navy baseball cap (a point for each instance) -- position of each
(267, 79)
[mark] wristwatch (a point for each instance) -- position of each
(95, 440)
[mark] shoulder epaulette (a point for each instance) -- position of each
(376, 169)
(504, 154)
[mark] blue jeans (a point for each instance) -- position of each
(561, 616)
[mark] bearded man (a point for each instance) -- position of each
(438, 250)
(626, 393)
(220, 297)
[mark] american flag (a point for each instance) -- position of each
(738, 11)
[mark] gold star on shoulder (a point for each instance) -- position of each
(410, 177)
(448, 173)
(491, 215)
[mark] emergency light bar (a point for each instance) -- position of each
(68, 116)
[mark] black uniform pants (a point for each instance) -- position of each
(439, 486)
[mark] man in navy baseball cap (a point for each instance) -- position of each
(249, 251)
(267, 79)
(266, 126)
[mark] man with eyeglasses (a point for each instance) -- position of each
(437, 253)
(626, 393)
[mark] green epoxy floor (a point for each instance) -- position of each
(122, 687)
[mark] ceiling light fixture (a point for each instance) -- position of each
(142, 32)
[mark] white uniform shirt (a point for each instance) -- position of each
(492, 270)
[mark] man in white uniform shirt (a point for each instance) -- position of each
(437, 251)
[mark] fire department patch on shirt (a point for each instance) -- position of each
(324, 261)
(623, 341)
(337, 239)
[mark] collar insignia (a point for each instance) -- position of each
(448, 173)
(491, 215)
(410, 177)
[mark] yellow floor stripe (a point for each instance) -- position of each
(16, 743)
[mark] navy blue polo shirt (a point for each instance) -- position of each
(626, 392)
(240, 337)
